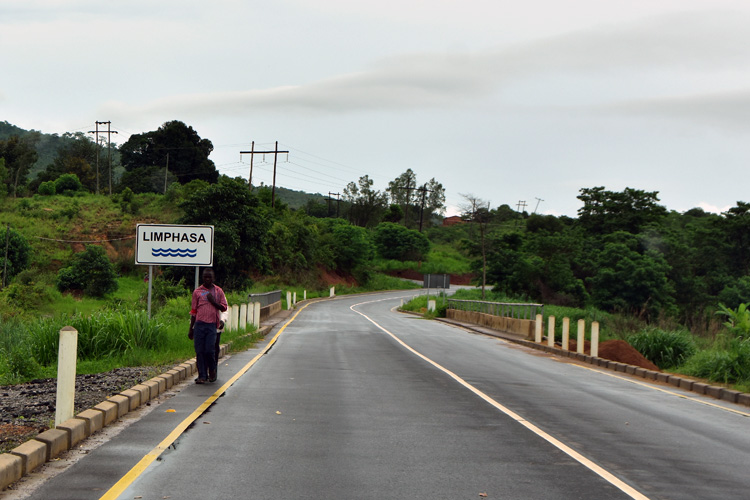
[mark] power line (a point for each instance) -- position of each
(275, 157)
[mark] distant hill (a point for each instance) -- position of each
(46, 145)
(295, 199)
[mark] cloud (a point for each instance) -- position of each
(713, 208)
(691, 42)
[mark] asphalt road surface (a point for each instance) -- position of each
(355, 400)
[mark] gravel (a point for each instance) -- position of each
(28, 409)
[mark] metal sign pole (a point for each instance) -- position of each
(150, 284)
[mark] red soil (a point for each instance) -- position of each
(620, 351)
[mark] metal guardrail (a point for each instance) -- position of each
(265, 299)
(504, 309)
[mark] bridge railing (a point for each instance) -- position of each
(266, 299)
(504, 309)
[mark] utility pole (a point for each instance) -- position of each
(166, 170)
(408, 199)
(538, 200)
(521, 206)
(109, 152)
(338, 202)
(421, 210)
(275, 156)
(5, 262)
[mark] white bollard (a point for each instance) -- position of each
(304, 294)
(538, 329)
(551, 331)
(256, 314)
(333, 292)
(288, 300)
(243, 316)
(294, 298)
(234, 317)
(580, 348)
(250, 311)
(66, 374)
(566, 334)
(595, 339)
(431, 306)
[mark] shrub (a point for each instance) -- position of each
(18, 253)
(91, 272)
(47, 188)
(665, 349)
(67, 183)
(394, 241)
(728, 365)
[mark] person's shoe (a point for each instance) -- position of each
(200, 381)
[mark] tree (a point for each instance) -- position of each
(77, 155)
(19, 254)
(606, 212)
(240, 229)
(477, 211)
(432, 201)
(367, 205)
(394, 241)
(188, 153)
(19, 155)
(91, 271)
(402, 191)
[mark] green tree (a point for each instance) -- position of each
(240, 229)
(606, 212)
(188, 153)
(67, 183)
(366, 205)
(91, 271)
(394, 241)
(19, 253)
(76, 155)
(477, 212)
(19, 155)
(351, 246)
(402, 191)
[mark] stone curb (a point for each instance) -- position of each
(686, 384)
(49, 444)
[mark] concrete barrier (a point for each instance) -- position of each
(94, 420)
(123, 404)
(33, 454)
(11, 469)
(134, 398)
(56, 440)
(76, 429)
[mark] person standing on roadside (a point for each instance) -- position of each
(205, 314)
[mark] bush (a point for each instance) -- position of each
(47, 188)
(394, 241)
(729, 365)
(67, 183)
(91, 272)
(666, 349)
(19, 253)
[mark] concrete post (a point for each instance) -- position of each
(595, 339)
(538, 329)
(66, 374)
(250, 311)
(288, 300)
(256, 314)
(431, 305)
(304, 295)
(333, 292)
(294, 298)
(566, 334)
(243, 316)
(580, 348)
(235, 317)
(551, 331)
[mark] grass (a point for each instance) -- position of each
(442, 259)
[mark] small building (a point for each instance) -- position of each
(453, 220)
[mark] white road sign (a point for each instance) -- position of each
(174, 245)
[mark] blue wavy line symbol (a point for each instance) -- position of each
(174, 252)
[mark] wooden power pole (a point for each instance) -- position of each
(275, 157)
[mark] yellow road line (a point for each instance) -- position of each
(606, 475)
(120, 486)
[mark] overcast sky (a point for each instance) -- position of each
(509, 101)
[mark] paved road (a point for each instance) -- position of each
(356, 401)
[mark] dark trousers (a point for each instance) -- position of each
(217, 350)
(204, 340)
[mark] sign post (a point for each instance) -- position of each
(173, 245)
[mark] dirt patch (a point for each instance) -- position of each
(620, 351)
(332, 278)
(29, 408)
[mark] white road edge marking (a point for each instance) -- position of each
(603, 473)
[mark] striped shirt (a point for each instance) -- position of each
(202, 309)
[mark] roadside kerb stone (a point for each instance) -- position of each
(56, 441)
(11, 469)
(145, 392)
(714, 391)
(699, 387)
(134, 398)
(651, 375)
(640, 372)
(109, 411)
(686, 384)
(730, 395)
(743, 399)
(161, 383)
(33, 454)
(76, 429)
(153, 388)
(630, 369)
(177, 375)
(192, 366)
(168, 379)
(122, 402)
(662, 377)
(94, 420)
(675, 381)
